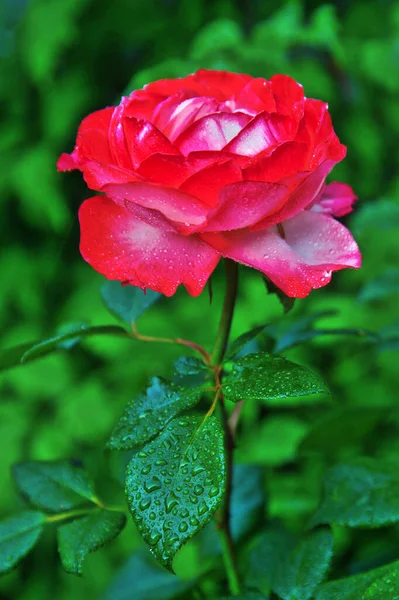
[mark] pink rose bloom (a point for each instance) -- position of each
(213, 165)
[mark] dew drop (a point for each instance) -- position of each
(153, 485)
(203, 508)
(154, 538)
(198, 489)
(183, 527)
(145, 470)
(144, 504)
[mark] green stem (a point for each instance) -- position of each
(216, 359)
(227, 312)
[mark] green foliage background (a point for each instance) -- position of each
(63, 59)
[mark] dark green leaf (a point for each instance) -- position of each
(127, 302)
(247, 596)
(300, 572)
(23, 353)
(85, 535)
(286, 302)
(191, 372)
(175, 484)
(341, 430)
(266, 555)
(56, 486)
(378, 584)
(382, 215)
(289, 335)
(149, 413)
(291, 569)
(241, 342)
(246, 502)
(147, 580)
(18, 535)
(362, 493)
(273, 380)
(386, 284)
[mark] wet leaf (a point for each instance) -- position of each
(150, 412)
(360, 493)
(273, 380)
(378, 584)
(175, 484)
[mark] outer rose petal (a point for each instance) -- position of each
(187, 212)
(287, 160)
(289, 95)
(221, 85)
(304, 195)
(122, 244)
(314, 246)
(245, 203)
(337, 199)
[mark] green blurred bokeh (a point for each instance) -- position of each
(61, 60)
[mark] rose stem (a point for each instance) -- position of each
(216, 359)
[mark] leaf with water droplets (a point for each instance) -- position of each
(85, 535)
(127, 302)
(273, 380)
(18, 535)
(175, 484)
(378, 584)
(53, 485)
(146, 415)
(360, 493)
(243, 340)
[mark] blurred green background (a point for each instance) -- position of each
(60, 60)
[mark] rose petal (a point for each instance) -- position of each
(289, 96)
(212, 132)
(314, 246)
(304, 195)
(123, 245)
(287, 160)
(176, 113)
(186, 211)
(256, 96)
(221, 85)
(263, 134)
(337, 199)
(144, 140)
(207, 183)
(91, 141)
(316, 131)
(245, 203)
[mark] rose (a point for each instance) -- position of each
(213, 164)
